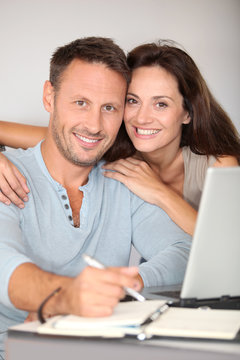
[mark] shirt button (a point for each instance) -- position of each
(64, 197)
(70, 218)
(66, 206)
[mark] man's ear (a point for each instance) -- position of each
(48, 96)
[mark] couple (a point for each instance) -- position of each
(175, 131)
(72, 208)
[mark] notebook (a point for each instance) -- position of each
(149, 318)
(212, 274)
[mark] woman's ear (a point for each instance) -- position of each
(48, 96)
(187, 118)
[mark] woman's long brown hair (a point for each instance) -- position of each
(210, 131)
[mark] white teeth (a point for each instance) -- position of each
(146, 132)
(86, 139)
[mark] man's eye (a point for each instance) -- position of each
(109, 108)
(81, 103)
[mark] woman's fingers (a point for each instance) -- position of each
(13, 187)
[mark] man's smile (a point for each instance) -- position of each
(87, 141)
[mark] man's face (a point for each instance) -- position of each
(87, 111)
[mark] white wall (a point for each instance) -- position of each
(30, 30)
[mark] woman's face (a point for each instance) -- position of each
(154, 111)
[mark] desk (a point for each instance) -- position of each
(24, 343)
(29, 346)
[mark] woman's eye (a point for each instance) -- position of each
(81, 103)
(131, 101)
(161, 105)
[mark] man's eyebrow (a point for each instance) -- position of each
(116, 104)
(83, 98)
(79, 97)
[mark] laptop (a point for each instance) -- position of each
(212, 276)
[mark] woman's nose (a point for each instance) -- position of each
(143, 115)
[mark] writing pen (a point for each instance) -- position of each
(94, 263)
(150, 319)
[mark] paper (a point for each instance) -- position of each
(199, 323)
(128, 316)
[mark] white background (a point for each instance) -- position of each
(30, 30)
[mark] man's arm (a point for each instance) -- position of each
(162, 243)
(93, 292)
(23, 285)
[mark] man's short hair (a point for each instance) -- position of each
(92, 50)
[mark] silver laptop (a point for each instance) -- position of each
(213, 269)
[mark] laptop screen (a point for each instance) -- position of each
(214, 263)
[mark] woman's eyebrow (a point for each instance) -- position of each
(132, 94)
(157, 97)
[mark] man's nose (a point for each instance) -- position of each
(94, 121)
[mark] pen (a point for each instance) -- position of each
(94, 263)
(154, 316)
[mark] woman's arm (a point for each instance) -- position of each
(144, 182)
(226, 161)
(20, 135)
(13, 185)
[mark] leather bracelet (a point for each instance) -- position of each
(40, 309)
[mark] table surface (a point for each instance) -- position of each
(24, 343)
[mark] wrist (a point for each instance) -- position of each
(160, 195)
(56, 303)
(42, 314)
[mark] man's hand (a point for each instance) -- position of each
(32, 316)
(13, 185)
(94, 292)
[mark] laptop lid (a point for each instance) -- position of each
(213, 269)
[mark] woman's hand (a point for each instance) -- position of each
(145, 183)
(137, 176)
(13, 185)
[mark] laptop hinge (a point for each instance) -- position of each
(189, 302)
(224, 302)
(194, 302)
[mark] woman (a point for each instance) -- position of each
(176, 127)
(178, 130)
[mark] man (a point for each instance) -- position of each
(73, 209)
